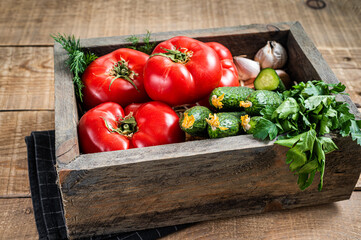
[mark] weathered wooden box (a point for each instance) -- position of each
(192, 181)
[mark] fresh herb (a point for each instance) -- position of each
(77, 60)
(265, 129)
(146, 47)
(308, 112)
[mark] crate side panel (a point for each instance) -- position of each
(208, 186)
(186, 150)
(66, 114)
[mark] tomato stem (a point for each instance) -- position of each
(176, 55)
(126, 126)
(121, 70)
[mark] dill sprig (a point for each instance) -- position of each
(146, 47)
(78, 60)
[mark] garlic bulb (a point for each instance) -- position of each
(273, 55)
(246, 68)
(285, 78)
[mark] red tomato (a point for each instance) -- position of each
(132, 108)
(181, 70)
(94, 135)
(221, 50)
(115, 77)
(106, 128)
(229, 70)
(157, 124)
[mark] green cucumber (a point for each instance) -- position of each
(227, 98)
(259, 100)
(193, 121)
(268, 79)
(238, 114)
(222, 125)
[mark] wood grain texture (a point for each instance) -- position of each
(66, 113)
(179, 188)
(345, 58)
(14, 126)
(337, 25)
(17, 219)
(334, 221)
(26, 78)
(330, 221)
(346, 64)
(352, 80)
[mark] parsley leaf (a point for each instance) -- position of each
(288, 107)
(265, 128)
(268, 112)
(314, 102)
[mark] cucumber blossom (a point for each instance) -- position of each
(268, 79)
(259, 100)
(222, 125)
(249, 123)
(228, 98)
(193, 121)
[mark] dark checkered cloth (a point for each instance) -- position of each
(45, 194)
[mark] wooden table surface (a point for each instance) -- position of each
(27, 92)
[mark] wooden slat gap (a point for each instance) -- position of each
(27, 110)
(28, 45)
(15, 196)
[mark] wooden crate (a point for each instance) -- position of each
(192, 181)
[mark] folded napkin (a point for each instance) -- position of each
(45, 194)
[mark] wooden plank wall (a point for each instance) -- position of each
(27, 92)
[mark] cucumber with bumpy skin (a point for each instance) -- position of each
(222, 125)
(238, 114)
(193, 121)
(227, 98)
(268, 79)
(259, 100)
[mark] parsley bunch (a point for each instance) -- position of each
(78, 60)
(308, 112)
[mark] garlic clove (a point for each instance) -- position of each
(246, 68)
(285, 78)
(273, 55)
